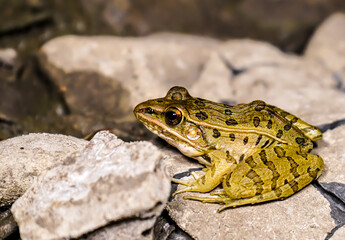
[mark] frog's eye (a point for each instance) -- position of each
(172, 116)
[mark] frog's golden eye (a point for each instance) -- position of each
(172, 116)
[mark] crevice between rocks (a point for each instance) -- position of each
(339, 81)
(337, 207)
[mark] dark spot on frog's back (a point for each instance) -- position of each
(228, 112)
(256, 121)
(287, 127)
(279, 133)
(216, 133)
(199, 103)
(201, 115)
(260, 105)
(269, 124)
(300, 140)
(231, 122)
(245, 140)
(232, 136)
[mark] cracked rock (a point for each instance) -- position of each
(24, 158)
(106, 182)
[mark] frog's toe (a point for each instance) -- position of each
(179, 181)
(220, 200)
(186, 189)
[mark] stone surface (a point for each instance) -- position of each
(339, 234)
(24, 158)
(292, 90)
(132, 229)
(328, 43)
(107, 181)
(331, 149)
(7, 224)
(305, 215)
(126, 66)
(9, 64)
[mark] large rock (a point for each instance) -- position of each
(121, 71)
(305, 215)
(106, 182)
(24, 158)
(328, 43)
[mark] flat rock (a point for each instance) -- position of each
(305, 215)
(24, 158)
(108, 181)
(328, 43)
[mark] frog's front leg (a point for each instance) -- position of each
(221, 166)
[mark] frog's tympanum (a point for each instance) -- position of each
(258, 152)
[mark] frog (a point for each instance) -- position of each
(252, 153)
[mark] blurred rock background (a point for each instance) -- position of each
(31, 102)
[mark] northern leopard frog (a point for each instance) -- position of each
(257, 151)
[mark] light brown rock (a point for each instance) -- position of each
(24, 158)
(137, 68)
(331, 149)
(339, 234)
(328, 43)
(106, 182)
(305, 215)
(292, 90)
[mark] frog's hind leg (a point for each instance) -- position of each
(261, 189)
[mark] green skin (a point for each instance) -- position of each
(257, 151)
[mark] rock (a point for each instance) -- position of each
(331, 149)
(24, 158)
(214, 82)
(109, 181)
(9, 64)
(245, 53)
(121, 70)
(132, 229)
(327, 44)
(305, 215)
(339, 234)
(292, 90)
(7, 224)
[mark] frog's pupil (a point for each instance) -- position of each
(171, 115)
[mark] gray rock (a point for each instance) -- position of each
(122, 70)
(293, 90)
(331, 149)
(327, 44)
(106, 182)
(24, 158)
(7, 224)
(9, 64)
(339, 234)
(305, 215)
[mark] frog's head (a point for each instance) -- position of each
(168, 117)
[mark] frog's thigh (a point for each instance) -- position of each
(285, 176)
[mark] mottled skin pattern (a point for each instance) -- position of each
(257, 151)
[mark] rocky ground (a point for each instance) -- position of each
(65, 187)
